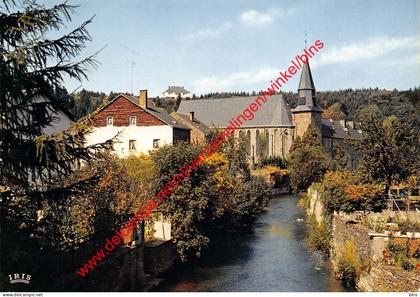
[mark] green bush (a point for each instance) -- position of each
(250, 199)
(349, 265)
(274, 161)
(318, 235)
(219, 195)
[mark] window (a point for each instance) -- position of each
(109, 121)
(132, 145)
(133, 121)
(156, 143)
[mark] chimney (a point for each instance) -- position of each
(143, 99)
(192, 116)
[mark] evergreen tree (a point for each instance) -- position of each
(31, 68)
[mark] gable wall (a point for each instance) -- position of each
(121, 109)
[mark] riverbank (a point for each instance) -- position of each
(271, 256)
(358, 253)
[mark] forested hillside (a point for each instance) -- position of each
(348, 103)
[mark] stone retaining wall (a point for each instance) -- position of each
(376, 276)
(159, 256)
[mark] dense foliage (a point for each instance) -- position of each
(318, 235)
(31, 69)
(349, 265)
(344, 191)
(220, 194)
(307, 161)
(273, 161)
(350, 102)
(390, 151)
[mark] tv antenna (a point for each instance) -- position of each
(132, 63)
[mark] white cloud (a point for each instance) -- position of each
(236, 79)
(371, 48)
(248, 18)
(255, 18)
(207, 33)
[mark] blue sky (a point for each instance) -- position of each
(241, 45)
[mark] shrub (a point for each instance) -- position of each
(400, 249)
(333, 194)
(368, 197)
(307, 161)
(218, 195)
(408, 226)
(340, 192)
(303, 200)
(318, 235)
(349, 265)
(274, 161)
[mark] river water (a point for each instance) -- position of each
(273, 256)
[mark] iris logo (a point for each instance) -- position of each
(21, 278)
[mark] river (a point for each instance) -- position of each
(273, 256)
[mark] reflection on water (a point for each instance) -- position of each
(273, 256)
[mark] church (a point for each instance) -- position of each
(276, 126)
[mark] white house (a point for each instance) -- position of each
(138, 127)
(174, 91)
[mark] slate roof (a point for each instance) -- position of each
(58, 105)
(217, 112)
(337, 129)
(177, 90)
(306, 92)
(196, 123)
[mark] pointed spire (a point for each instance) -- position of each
(306, 91)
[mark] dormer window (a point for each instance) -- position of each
(133, 120)
(109, 121)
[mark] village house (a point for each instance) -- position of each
(275, 127)
(137, 124)
(200, 132)
(173, 92)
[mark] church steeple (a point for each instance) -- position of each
(306, 92)
(307, 112)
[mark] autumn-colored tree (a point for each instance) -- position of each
(342, 190)
(334, 112)
(334, 197)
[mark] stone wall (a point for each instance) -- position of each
(344, 229)
(376, 276)
(159, 256)
(386, 278)
(315, 206)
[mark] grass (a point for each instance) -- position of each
(318, 235)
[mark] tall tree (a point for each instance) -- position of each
(31, 68)
(307, 161)
(390, 150)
